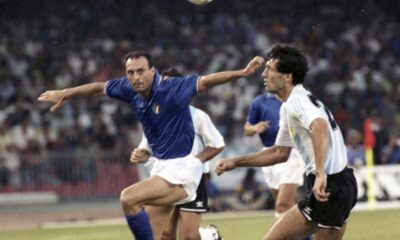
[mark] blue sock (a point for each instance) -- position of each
(308, 238)
(140, 225)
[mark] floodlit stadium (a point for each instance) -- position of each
(62, 172)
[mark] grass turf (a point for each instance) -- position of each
(382, 224)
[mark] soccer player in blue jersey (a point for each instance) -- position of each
(208, 142)
(308, 125)
(162, 106)
(263, 119)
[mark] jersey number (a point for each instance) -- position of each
(317, 103)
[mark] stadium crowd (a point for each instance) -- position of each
(353, 48)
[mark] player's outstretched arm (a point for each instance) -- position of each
(59, 96)
(267, 157)
(219, 78)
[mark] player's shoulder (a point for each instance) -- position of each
(265, 98)
(121, 82)
(299, 93)
(198, 113)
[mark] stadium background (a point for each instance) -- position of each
(77, 159)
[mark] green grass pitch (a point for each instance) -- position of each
(382, 224)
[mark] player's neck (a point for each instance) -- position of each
(145, 94)
(285, 93)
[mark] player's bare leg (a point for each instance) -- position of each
(286, 198)
(169, 232)
(329, 234)
(159, 218)
(152, 191)
(291, 226)
(189, 225)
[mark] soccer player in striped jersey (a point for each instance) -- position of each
(162, 106)
(208, 142)
(308, 125)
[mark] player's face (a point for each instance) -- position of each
(274, 81)
(139, 74)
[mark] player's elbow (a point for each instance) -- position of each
(282, 154)
(220, 149)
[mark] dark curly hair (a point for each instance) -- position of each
(290, 60)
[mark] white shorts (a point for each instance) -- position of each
(185, 171)
(289, 172)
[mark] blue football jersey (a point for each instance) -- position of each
(266, 107)
(165, 114)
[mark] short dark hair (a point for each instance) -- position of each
(171, 72)
(138, 54)
(290, 60)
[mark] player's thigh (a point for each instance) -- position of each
(291, 226)
(189, 223)
(287, 193)
(329, 234)
(153, 191)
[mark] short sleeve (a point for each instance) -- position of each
(254, 113)
(184, 89)
(209, 134)
(283, 137)
(119, 89)
(303, 109)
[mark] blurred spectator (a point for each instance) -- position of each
(353, 54)
(391, 151)
(215, 202)
(251, 194)
(355, 148)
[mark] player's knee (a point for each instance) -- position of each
(283, 206)
(126, 200)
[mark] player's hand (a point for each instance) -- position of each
(260, 127)
(139, 155)
(319, 188)
(253, 65)
(55, 96)
(224, 165)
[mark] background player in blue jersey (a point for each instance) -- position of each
(305, 123)
(263, 119)
(162, 106)
(207, 144)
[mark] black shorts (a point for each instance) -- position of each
(200, 204)
(334, 212)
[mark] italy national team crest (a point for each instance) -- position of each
(156, 108)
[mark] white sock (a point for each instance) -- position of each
(206, 234)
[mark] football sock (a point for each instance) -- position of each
(140, 225)
(206, 234)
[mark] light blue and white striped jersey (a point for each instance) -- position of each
(296, 116)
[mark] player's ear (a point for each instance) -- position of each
(288, 77)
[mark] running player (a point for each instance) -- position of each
(162, 106)
(263, 119)
(208, 143)
(305, 123)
